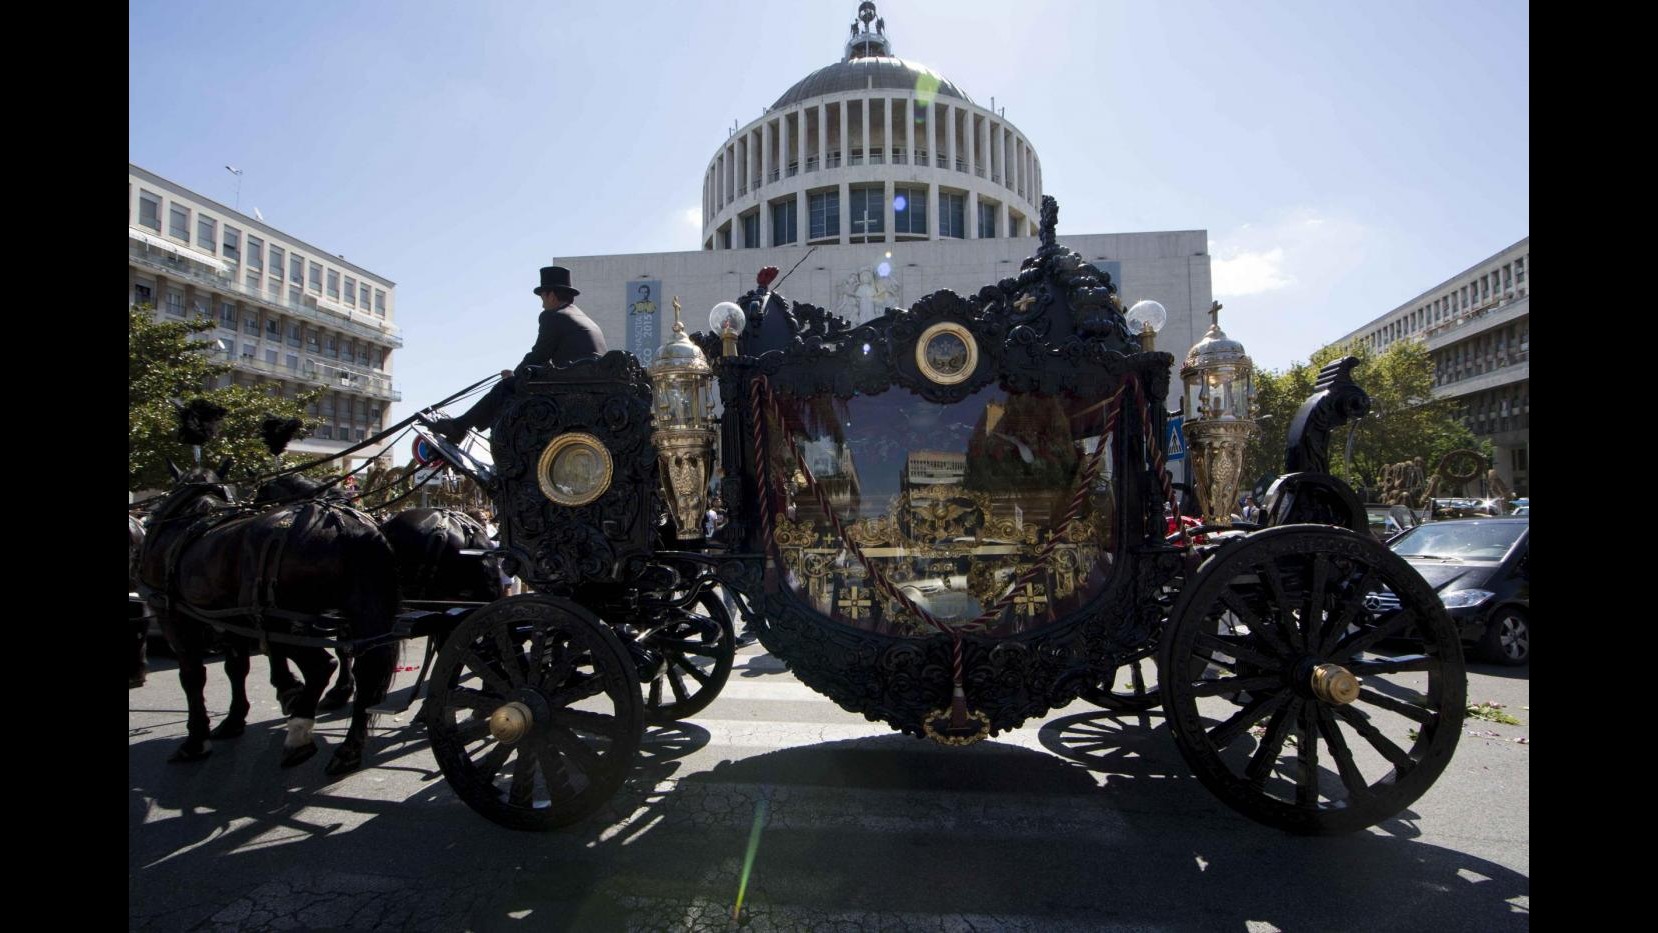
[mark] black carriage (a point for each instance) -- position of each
(949, 519)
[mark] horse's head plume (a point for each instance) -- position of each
(278, 432)
(199, 421)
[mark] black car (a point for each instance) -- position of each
(1481, 568)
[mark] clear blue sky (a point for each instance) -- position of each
(1342, 156)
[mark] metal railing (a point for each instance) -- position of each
(383, 333)
(811, 164)
(899, 157)
(833, 161)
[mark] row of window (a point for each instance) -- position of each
(339, 347)
(1008, 156)
(1507, 280)
(1486, 352)
(1506, 408)
(867, 216)
(349, 419)
(301, 270)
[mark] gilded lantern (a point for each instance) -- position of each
(1220, 392)
(684, 435)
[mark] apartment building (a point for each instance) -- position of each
(291, 316)
(1477, 326)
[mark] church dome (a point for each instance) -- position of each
(877, 72)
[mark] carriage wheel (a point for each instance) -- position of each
(1131, 688)
(1324, 687)
(534, 715)
(697, 649)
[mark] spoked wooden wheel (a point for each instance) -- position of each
(1324, 684)
(534, 715)
(696, 650)
(1130, 688)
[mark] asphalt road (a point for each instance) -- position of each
(1085, 821)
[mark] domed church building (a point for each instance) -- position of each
(890, 182)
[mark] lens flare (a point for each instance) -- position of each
(884, 269)
(900, 202)
(926, 88)
(748, 857)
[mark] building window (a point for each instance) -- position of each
(952, 215)
(751, 229)
(273, 287)
(256, 254)
(253, 281)
(987, 220)
(725, 237)
(1520, 270)
(868, 210)
(250, 322)
(375, 358)
(785, 218)
(175, 304)
(333, 283)
(315, 280)
(249, 351)
(325, 432)
(909, 210)
(141, 295)
(233, 243)
(825, 208)
(351, 291)
(311, 341)
(149, 210)
(296, 269)
(270, 357)
(227, 314)
(331, 347)
(362, 296)
(379, 302)
(273, 330)
(178, 222)
(293, 362)
(295, 296)
(293, 335)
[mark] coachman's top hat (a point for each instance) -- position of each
(556, 279)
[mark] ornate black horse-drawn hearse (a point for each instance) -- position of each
(949, 519)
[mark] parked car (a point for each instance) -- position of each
(1389, 520)
(1481, 568)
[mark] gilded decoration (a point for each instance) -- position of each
(574, 469)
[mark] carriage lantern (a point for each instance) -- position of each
(681, 380)
(1145, 319)
(1220, 391)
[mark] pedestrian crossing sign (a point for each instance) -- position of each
(1174, 440)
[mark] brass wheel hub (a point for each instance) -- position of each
(1335, 684)
(510, 722)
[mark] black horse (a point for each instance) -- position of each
(204, 553)
(428, 544)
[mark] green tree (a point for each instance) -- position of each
(1405, 420)
(165, 361)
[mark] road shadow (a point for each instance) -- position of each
(1104, 827)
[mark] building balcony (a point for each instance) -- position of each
(1471, 323)
(355, 323)
(323, 374)
(1468, 385)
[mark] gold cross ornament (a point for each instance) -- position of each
(853, 602)
(1024, 303)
